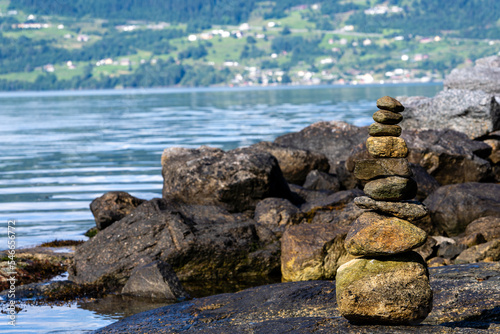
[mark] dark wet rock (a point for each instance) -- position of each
(304, 195)
(387, 117)
(487, 252)
(333, 139)
(473, 112)
(466, 300)
(38, 290)
(386, 290)
(236, 179)
(369, 169)
(155, 280)
(113, 206)
(449, 156)
(485, 76)
(335, 209)
(346, 177)
(318, 180)
(453, 207)
(426, 183)
(391, 188)
(390, 103)
(373, 234)
(199, 242)
(335, 201)
(488, 227)
(377, 129)
(408, 210)
(277, 214)
(312, 251)
(295, 163)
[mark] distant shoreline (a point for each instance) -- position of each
(178, 89)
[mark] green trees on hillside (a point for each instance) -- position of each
(469, 18)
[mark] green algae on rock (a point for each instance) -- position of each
(386, 290)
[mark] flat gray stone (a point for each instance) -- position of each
(409, 210)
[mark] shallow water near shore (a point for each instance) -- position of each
(60, 150)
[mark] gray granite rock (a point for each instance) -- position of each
(235, 180)
(474, 113)
(485, 76)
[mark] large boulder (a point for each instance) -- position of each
(236, 179)
(333, 139)
(198, 241)
(113, 206)
(485, 76)
(295, 163)
(449, 156)
(474, 113)
(466, 300)
(386, 290)
(453, 207)
(488, 227)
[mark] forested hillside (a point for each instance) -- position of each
(469, 18)
(79, 44)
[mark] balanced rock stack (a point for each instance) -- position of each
(388, 283)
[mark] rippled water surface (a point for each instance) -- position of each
(60, 150)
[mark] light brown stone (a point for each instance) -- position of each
(387, 147)
(312, 251)
(373, 234)
(370, 169)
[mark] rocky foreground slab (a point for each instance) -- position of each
(466, 300)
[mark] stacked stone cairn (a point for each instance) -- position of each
(388, 283)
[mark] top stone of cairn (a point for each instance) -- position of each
(389, 103)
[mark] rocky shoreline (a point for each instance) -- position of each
(284, 209)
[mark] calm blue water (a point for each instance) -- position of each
(60, 150)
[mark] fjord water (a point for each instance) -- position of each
(60, 150)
